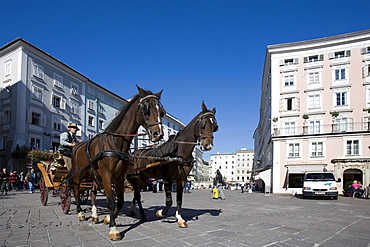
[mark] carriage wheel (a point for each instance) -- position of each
(44, 192)
(65, 199)
(84, 196)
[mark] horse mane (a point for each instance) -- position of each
(116, 122)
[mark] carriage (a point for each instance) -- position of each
(53, 175)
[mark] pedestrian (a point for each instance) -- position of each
(21, 182)
(218, 182)
(31, 179)
(155, 186)
(242, 185)
(13, 179)
(187, 186)
(67, 141)
(4, 175)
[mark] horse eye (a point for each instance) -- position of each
(203, 124)
(163, 113)
(146, 110)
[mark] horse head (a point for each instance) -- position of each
(149, 114)
(207, 125)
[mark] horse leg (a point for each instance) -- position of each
(94, 216)
(179, 195)
(168, 192)
(114, 234)
(76, 193)
(139, 184)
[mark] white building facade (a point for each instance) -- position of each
(314, 111)
(234, 167)
(40, 96)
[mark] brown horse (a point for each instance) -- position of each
(105, 157)
(179, 148)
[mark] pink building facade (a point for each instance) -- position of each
(315, 112)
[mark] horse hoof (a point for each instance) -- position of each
(132, 213)
(159, 213)
(95, 220)
(81, 217)
(182, 224)
(106, 220)
(114, 236)
(144, 219)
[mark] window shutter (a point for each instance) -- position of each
(282, 104)
(365, 71)
(331, 55)
(295, 60)
(297, 104)
(321, 57)
(1, 117)
(281, 62)
(63, 104)
(363, 50)
(348, 53)
(305, 60)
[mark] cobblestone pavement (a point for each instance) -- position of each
(240, 220)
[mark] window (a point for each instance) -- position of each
(56, 101)
(289, 103)
(35, 143)
(353, 147)
(314, 101)
(101, 109)
(58, 80)
(6, 118)
(288, 61)
(289, 128)
(340, 54)
(340, 74)
(314, 127)
(316, 149)
(56, 124)
(5, 92)
(38, 71)
(74, 89)
(101, 124)
(313, 77)
(75, 108)
(8, 67)
(37, 92)
(3, 142)
(90, 105)
(341, 98)
(101, 96)
(293, 150)
(365, 50)
(366, 71)
(312, 59)
(91, 121)
(289, 80)
(35, 118)
(342, 124)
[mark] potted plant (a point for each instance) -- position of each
(305, 117)
(335, 114)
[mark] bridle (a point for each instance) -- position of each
(144, 109)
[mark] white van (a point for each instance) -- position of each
(322, 184)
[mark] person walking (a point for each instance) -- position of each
(13, 179)
(4, 176)
(21, 182)
(31, 179)
(219, 183)
(67, 141)
(242, 185)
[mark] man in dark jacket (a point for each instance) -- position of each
(4, 176)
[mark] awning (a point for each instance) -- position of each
(300, 168)
(265, 176)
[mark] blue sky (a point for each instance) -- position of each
(194, 50)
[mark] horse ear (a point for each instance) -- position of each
(142, 92)
(214, 110)
(204, 107)
(159, 94)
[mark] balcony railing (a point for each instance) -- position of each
(323, 129)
